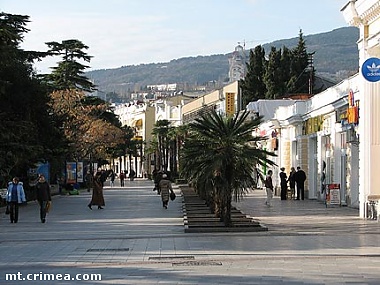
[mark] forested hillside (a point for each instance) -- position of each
(336, 56)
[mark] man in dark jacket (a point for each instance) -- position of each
(300, 177)
(43, 196)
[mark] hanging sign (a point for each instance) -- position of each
(371, 69)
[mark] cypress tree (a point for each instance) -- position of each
(253, 85)
(299, 76)
(273, 75)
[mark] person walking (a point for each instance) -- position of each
(97, 198)
(283, 183)
(165, 186)
(292, 182)
(300, 177)
(88, 179)
(121, 176)
(157, 176)
(112, 178)
(269, 188)
(43, 196)
(15, 196)
(132, 175)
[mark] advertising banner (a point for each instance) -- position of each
(71, 172)
(80, 171)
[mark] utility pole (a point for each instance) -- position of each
(311, 72)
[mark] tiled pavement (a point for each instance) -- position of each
(135, 241)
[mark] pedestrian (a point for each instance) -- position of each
(88, 179)
(165, 186)
(58, 179)
(43, 196)
(97, 198)
(154, 176)
(292, 182)
(112, 178)
(269, 188)
(132, 174)
(300, 177)
(283, 183)
(157, 176)
(121, 176)
(323, 179)
(15, 197)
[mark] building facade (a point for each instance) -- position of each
(365, 14)
(335, 135)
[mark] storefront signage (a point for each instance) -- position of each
(353, 115)
(371, 69)
(314, 125)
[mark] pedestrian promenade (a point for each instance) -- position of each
(305, 216)
(134, 240)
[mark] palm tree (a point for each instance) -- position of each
(162, 129)
(220, 156)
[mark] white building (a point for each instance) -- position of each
(317, 135)
(337, 132)
(365, 14)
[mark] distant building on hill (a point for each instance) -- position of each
(237, 63)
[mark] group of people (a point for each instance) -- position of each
(16, 196)
(296, 180)
(89, 179)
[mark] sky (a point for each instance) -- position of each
(131, 32)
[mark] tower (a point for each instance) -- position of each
(237, 63)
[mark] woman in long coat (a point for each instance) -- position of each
(97, 198)
(165, 187)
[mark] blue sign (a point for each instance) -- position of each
(371, 69)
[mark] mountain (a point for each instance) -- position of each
(335, 51)
(336, 56)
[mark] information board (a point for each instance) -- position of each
(333, 194)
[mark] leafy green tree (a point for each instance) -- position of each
(253, 85)
(69, 74)
(220, 156)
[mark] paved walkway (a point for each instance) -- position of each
(135, 241)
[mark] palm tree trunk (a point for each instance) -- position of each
(227, 213)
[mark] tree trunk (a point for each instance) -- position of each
(227, 213)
